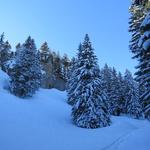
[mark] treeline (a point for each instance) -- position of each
(60, 64)
(54, 67)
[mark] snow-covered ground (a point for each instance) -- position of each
(43, 123)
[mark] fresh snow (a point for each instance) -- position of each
(43, 123)
(146, 20)
(146, 44)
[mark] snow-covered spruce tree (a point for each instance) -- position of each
(137, 15)
(73, 79)
(26, 73)
(143, 73)
(106, 75)
(133, 106)
(2, 43)
(89, 110)
(121, 90)
(106, 78)
(138, 10)
(113, 84)
(69, 74)
(115, 94)
(5, 55)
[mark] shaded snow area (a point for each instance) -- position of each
(43, 123)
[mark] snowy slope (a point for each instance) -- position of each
(43, 123)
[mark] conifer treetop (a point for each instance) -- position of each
(2, 37)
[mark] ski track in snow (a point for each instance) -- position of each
(115, 144)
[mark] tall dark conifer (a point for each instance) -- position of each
(65, 66)
(44, 52)
(137, 15)
(115, 94)
(5, 53)
(132, 105)
(106, 76)
(143, 73)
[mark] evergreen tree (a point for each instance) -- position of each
(18, 47)
(5, 55)
(26, 74)
(106, 75)
(71, 67)
(115, 95)
(89, 110)
(69, 74)
(44, 52)
(1, 41)
(141, 2)
(1, 47)
(121, 95)
(140, 36)
(143, 73)
(74, 78)
(137, 16)
(57, 66)
(65, 66)
(138, 10)
(133, 107)
(113, 84)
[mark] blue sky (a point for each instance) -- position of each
(63, 24)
